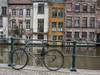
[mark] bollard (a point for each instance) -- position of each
(73, 68)
(12, 49)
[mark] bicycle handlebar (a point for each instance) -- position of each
(27, 42)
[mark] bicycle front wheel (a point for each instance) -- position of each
(19, 59)
(53, 59)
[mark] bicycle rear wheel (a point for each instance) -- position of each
(20, 59)
(53, 59)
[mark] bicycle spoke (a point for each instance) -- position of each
(20, 58)
(53, 60)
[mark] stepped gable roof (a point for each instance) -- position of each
(19, 1)
(39, 0)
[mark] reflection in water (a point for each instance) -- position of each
(81, 62)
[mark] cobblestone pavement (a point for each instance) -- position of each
(33, 70)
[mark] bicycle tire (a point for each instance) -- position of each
(20, 58)
(53, 59)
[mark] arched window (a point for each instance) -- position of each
(13, 24)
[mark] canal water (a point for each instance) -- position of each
(81, 62)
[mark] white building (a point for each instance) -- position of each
(40, 19)
(3, 18)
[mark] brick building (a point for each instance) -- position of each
(20, 15)
(98, 21)
(80, 20)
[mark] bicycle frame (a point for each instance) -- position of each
(43, 51)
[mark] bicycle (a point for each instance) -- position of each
(53, 59)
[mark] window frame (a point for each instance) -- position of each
(27, 24)
(13, 24)
(21, 25)
(54, 26)
(4, 10)
(1, 21)
(13, 12)
(77, 19)
(69, 35)
(85, 7)
(84, 35)
(54, 37)
(92, 22)
(28, 12)
(60, 37)
(60, 13)
(84, 20)
(69, 19)
(77, 7)
(91, 35)
(20, 12)
(92, 8)
(76, 35)
(40, 8)
(60, 26)
(54, 13)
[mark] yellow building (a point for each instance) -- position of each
(55, 22)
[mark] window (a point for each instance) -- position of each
(28, 37)
(92, 8)
(84, 34)
(91, 35)
(27, 24)
(54, 13)
(1, 22)
(1, 34)
(40, 25)
(69, 34)
(13, 24)
(92, 22)
(77, 7)
(60, 26)
(77, 22)
(20, 12)
(20, 25)
(69, 21)
(28, 12)
(85, 6)
(60, 37)
(60, 13)
(54, 38)
(40, 36)
(4, 10)
(41, 9)
(76, 35)
(54, 26)
(84, 22)
(98, 24)
(13, 12)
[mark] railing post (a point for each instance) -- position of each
(73, 68)
(12, 49)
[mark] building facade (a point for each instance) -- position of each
(80, 20)
(98, 22)
(40, 19)
(3, 18)
(55, 31)
(20, 18)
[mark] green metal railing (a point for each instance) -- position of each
(74, 55)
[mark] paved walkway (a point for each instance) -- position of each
(33, 70)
